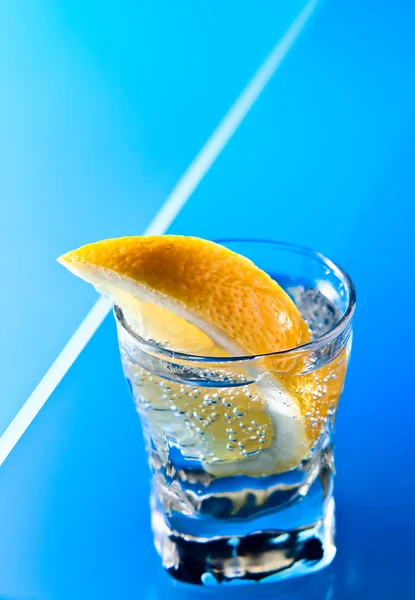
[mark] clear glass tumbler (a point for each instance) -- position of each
(240, 448)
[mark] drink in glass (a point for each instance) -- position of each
(241, 445)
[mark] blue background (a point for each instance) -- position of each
(102, 108)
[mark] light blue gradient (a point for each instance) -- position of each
(101, 111)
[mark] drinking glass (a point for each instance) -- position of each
(242, 487)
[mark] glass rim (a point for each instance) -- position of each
(310, 346)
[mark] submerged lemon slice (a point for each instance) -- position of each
(200, 297)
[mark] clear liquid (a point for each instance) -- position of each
(221, 511)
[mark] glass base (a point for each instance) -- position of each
(261, 556)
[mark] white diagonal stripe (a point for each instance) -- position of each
(159, 225)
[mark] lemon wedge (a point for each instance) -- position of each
(197, 296)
